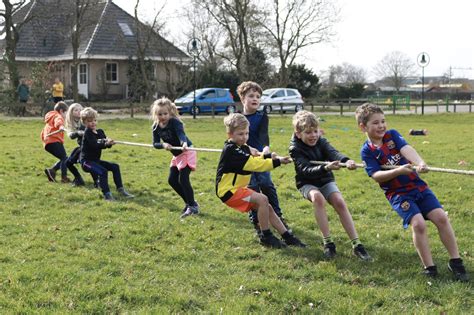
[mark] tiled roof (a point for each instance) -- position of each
(47, 36)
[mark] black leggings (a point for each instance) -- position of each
(57, 149)
(101, 168)
(74, 158)
(179, 181)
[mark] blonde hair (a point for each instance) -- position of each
(364, 111)
(247, 86)
(71, 122)
(160, 103)
(87, 114)
(303, 120)
(234, 122)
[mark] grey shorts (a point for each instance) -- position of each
(326, 190)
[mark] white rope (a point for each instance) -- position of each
(389, 167)
(54, 132)
(135, 144)
(172, 148)
(340, 164)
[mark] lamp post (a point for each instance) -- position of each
(194, 49)
(423, 60)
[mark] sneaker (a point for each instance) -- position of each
(271, 241)
(51, 174)
(457, 268)
(108, 196)
(360, 252)
(190, 210)
(294, 241)
(65, 180)
(195, 209)
(78, 181)
(125, 193)
(329, 250)
(430, 271)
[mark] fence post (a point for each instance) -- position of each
(213, 110)
(341, 104)
(281, 109)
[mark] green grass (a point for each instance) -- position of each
(65, 249)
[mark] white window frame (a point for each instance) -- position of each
(117, 72)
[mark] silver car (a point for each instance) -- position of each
(281, 99)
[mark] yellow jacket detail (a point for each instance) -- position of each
(235, 167)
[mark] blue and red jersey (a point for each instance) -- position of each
(389, 154)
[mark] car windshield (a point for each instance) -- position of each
(191, 94)
(267, 92)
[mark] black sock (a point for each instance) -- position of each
(286, 235)
(266, 232)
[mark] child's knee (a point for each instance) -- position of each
(317, 199)
(261, 199)
(418, 225)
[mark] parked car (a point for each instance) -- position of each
(206, 99)
(281, 99)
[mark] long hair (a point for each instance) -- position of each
(163, 102)
(73, 123)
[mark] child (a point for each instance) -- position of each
(250, 93)
(75, 130)
(407, 193)
(52, 136)
(316, 182)
(169, 128)
(235, 167)
(93, 142)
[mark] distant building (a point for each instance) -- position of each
(107, 43)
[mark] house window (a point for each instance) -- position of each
(126, 30)
(82, 73)
(111, 72)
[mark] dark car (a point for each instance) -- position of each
(207, 99)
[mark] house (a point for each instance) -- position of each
(107, 44)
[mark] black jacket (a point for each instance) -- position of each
(308, 173)
(93, 144)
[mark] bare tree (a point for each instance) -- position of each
(295, 24)
(238, 18)
(11, 29)
(345, 74)
(394, 68)
(79, 20)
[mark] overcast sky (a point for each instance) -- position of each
(370, 29)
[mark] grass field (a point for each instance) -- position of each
(64, 249)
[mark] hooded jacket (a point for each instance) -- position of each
(54, 120)
(235, 167)
(308, 173)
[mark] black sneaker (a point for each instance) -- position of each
(125, 193)
(457, 268)
(360, 252)
(78, 181)
(329, 250)
(51, 174)
(271, 241)
(430, 271)
(108, 196)
(294, 241)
